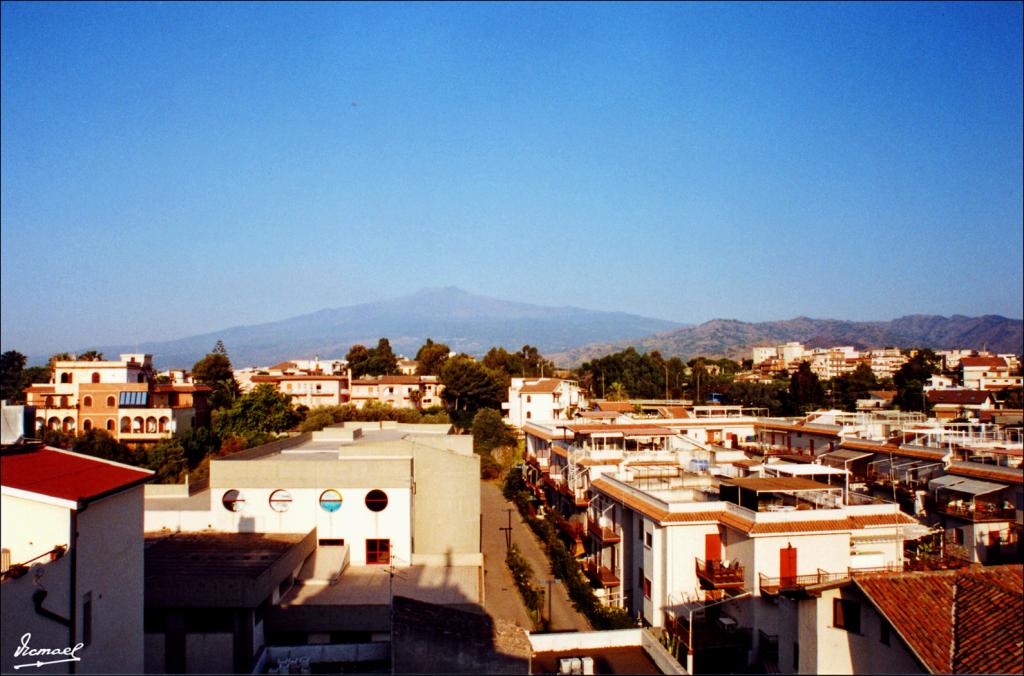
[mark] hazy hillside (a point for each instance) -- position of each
(732, 338)
(467, 322)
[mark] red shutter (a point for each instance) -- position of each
(713, 547)
(787, 565)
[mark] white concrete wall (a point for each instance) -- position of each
(29, 528)
(353, 522)
(110, 567)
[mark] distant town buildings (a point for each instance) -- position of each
(543, 400)
(122, 397)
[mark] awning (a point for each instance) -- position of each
(968, 486)
(844, 455)
(803, 470)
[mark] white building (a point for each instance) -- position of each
(309, 390)
(542, 400)
(398, 391)
(72, 560)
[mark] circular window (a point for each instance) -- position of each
(376, 500)
(280, 500)
(330, 500)
(233, 501)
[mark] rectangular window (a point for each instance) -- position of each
(796, 657)
(883, 632)
(846, 615)
(958, 537)
(647, 588)
(378, 551)
(648, 540)
(87, 618)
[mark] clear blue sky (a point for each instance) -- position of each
(173, 169)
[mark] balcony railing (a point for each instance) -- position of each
(603, 575)
(777, 585)
(975, 511)
(719, 576)
(606, 536)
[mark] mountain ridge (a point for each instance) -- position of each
(734, 338)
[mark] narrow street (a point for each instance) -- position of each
(501, 596)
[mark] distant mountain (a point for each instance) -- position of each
(466, 322)
(732, 338)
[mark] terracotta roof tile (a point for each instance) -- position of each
(920, 608)
(542, 386)
(958, 397)
(1011, 476)
(817, 526)
(617, 406)
(66, 475)
(868, 520)
(993, 362)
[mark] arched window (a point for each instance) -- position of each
(110, 424)
(49, 402)
(126, 424)
(53, 423)
(376, 500)
(164, 422)
(65, 377)
(40, 422)
(87, 425)
(63, 402)
(330, 500)
(137, 424)
(69, 424)
(87, 402)
(150, 425)
(95, 377)
(111, 401)
(280, 500)
(141, 378)
(233, 501)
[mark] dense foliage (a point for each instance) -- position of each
(431, 357)
(263, 411)
(470, 386)
(215, 371)
(321, 416)
(373, 361)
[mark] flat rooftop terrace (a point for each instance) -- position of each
(625, 660)
(368, 585)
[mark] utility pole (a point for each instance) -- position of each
(508, 531)
(549, 582)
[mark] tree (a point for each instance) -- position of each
(167, 460)
(849, 387)
(218, 348)
(60, 356)
(383, 361)
(261, 412)
(805, 390)
(91, 355)
(215, 370)
(510, 363)
(468, 387)
(99, 443)
(431, 357)
(911, 379)
(534, 364)
(12, 365)
(490, 431)
(358, 358)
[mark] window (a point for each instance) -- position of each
(958, 537)
(648, 540)
(529, 414)
(87, 618)
(376, 500)
(233, 501)
(111, 401)
(280, 500)
(378, 551)
(95, 377)
(110, 424)
(846, 615)
(528, 399)
(883, 632)
(87, 425)
(330, 500)
(65, 377)
(796, 657)
(87, 402)
(647, 588)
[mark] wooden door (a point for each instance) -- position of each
(712, 547)
(787, 565)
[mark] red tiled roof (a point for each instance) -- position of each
(281, 379)
(920, 606)
(542, 386)
(959, 397)
(673, 412)
(166, 387)
(888, 395)
(692, 517)
(66, 475)
(867, 520)
(816, 526)
(617, 406)
(1009, 477)
(39, 388)
(993, 362)
(283, 365)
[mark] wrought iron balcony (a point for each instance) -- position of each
(607, 536)
(603, 575)
(716, 575)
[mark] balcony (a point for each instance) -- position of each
(975, 511)
(602, 575)
(715, 575)
(799, 584)
(606, 536)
